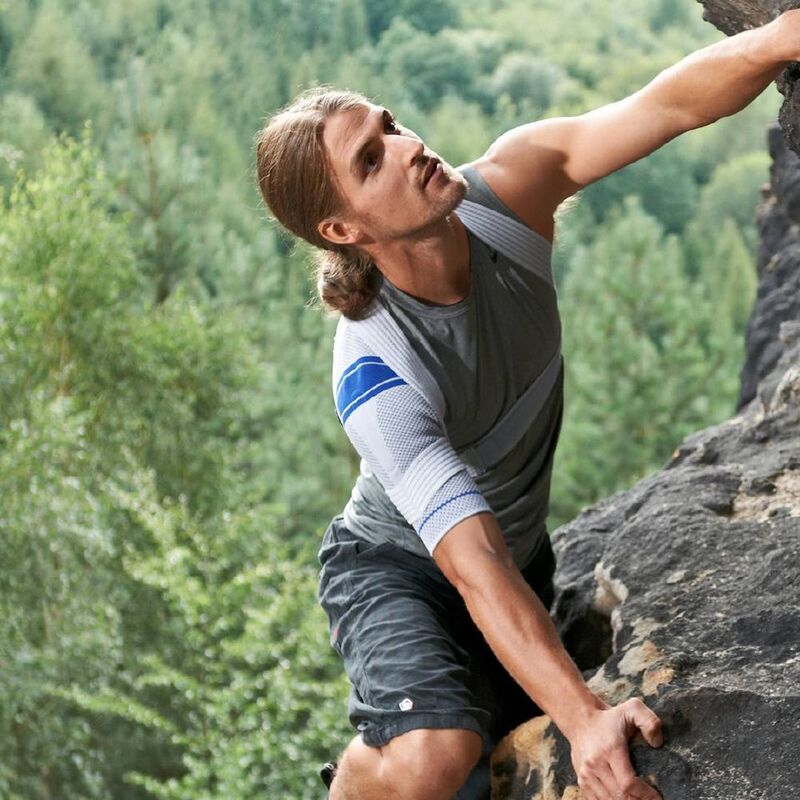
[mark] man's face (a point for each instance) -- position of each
(384, 173)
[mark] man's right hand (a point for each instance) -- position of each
(474, 557)
(600, 754)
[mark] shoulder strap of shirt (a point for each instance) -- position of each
(530, 250)
(510, 428)
(514, 240)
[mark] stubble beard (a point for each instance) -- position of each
(446, 201)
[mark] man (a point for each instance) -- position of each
(436, 578)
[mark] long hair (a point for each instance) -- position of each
(297, 183)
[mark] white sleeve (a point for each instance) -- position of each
(398, 434)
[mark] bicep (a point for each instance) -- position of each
(542, 163)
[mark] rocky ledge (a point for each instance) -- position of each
(685, 589)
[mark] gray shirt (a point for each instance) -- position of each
(484, 351)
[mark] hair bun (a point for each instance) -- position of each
(347, 282)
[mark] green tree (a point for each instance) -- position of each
(161, 183)
(60, 623)
(97, 386)
(669, 13)
(457, 130)
(645, 364)
(54, 66)
(349, 26)
(663, 181)
(254, 697)
(526, 78)
(732, 193)
(23, 135)
(744, 132)
(729, 278)
(61, 593)
(426, 15)
(429, 65)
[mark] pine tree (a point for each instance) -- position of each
(644, 365)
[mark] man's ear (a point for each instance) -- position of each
(338, 231)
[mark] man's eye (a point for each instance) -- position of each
(371, 159)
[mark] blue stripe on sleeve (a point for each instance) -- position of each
(363, 379)
(442, 505)
(355, 365)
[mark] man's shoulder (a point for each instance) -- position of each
(377, 347)
(493, 185)
(371, 337)
(480, 190)
(349, 343)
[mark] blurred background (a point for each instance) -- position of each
(169, 449)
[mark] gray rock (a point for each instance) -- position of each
(685, 589)
(778, 298)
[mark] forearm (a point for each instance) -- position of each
(475, 558)
(519, 630)
(721, 79)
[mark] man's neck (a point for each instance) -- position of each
(432, 267)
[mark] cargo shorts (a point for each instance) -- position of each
(413, 655)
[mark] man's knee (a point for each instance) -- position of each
(432, 763)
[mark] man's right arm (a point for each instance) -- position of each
(474, 557)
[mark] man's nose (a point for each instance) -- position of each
(413, 149)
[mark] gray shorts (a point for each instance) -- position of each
(413, 655)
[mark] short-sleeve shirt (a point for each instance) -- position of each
(483, 351)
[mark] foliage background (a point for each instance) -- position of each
(169, 450)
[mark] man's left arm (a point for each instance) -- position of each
(534, 167)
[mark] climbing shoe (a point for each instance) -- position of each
(327, 773)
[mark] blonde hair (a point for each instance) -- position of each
(297, 183)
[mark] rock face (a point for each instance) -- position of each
(685, 589)
(778, 299)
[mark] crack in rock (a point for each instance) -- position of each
(610, 591)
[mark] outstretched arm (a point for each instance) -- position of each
(534, 167)
(475, 559)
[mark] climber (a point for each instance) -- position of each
(448, 379)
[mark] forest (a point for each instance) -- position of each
(170, 453)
